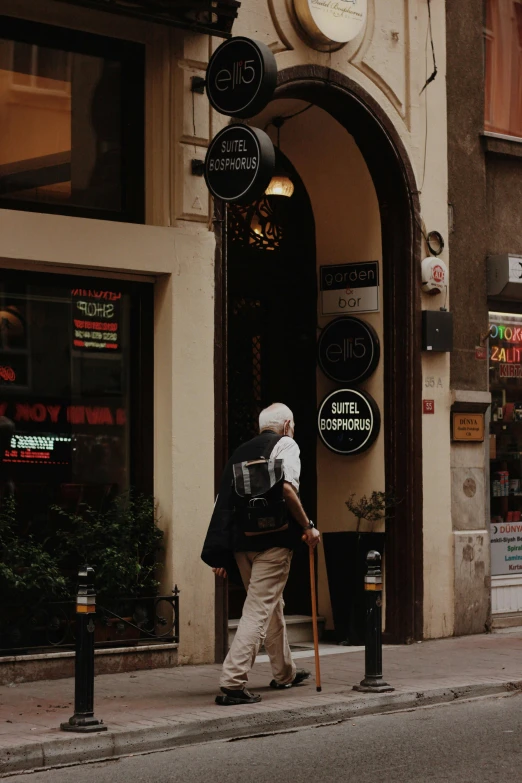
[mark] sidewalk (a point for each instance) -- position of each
(167, 707)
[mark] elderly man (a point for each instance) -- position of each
(263, 557)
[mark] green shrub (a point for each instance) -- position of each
(27, 571)
(121, 544)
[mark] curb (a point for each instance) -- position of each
(70, 750)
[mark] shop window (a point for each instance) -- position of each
(504, 67)
(71, 129)
(74, 392)
(505, 370)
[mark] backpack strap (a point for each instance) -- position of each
(268, 446)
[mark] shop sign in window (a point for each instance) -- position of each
(505, 371)
(96, 318)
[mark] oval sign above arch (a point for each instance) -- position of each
(331, 21)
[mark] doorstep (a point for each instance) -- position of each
(298, 627)
(57, 665)
(506, 620)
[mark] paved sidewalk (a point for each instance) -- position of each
(168, 707)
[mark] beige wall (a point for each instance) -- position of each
(391, 62)
(347, 227)
(177, 247)
(177, 250)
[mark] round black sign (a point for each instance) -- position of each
(348, 350)
(241, 77)
(348, 421)
(239, 163)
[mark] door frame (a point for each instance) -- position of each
(399, 206)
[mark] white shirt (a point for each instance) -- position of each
(288, 450)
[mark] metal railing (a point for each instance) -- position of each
(50, 626)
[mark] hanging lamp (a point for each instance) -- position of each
(280, 184)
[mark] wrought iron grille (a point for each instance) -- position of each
(214, 17)
(50, 626)
(256, 226)
(245, 375)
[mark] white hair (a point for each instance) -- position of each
(274, 417)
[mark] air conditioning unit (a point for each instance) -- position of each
(505, 277)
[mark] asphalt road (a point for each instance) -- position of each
(463, 742)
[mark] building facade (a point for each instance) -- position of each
(485, 181)
(189, 316)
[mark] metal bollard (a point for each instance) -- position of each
(83, 719)
(373, 681)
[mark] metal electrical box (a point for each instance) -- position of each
(437, 330)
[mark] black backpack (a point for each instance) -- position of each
(259, 505)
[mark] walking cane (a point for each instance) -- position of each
(314, 621)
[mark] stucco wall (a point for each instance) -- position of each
(390, 61)
(347, 227)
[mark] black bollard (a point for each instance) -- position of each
(373, 681)
(83, 719)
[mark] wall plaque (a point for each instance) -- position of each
(348, 421)
(331, 21)
(348, 350)
(467, 427)
(241, 77)
(350, 288)
(239, 163)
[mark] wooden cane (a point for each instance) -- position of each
(314, 621)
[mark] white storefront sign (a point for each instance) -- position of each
(506, 548)
(335, 21)
(350, 288)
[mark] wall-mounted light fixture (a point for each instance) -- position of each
(280, 185)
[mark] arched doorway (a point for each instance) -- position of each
(271, 336)
(398, 208)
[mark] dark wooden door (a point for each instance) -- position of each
(271, 333)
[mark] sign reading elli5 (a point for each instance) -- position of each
(241, 77)
(348, 350)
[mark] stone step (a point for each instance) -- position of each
(506, 620)
(299, 628)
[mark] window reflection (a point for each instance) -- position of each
(65, 376)
(70, 117)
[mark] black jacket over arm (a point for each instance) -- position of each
(218, 549)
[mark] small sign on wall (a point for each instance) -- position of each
(350, 288)
(428, 406)
(467, 427)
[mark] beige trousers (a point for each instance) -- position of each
(264, 575)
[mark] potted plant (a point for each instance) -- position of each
(345, 554)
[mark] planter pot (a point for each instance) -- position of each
(345, 555)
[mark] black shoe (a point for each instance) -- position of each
(230, 698)
(300, 675)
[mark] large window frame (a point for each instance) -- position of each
(503, 68)
(132, 58)
(141, 388)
